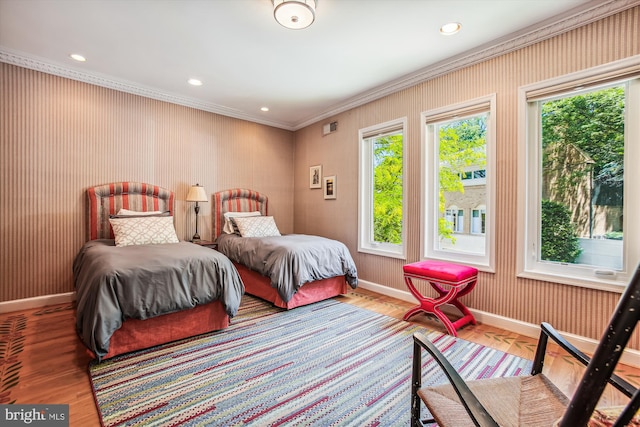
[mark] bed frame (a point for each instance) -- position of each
(244, 200)
(135, 334)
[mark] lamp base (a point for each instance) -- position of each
(196, 236)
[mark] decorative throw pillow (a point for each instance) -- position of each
(144, 230)
(257, 226)
(229, 227)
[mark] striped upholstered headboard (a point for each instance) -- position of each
(108, 199)
(236, 200)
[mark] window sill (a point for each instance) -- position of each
(583, 282)
(382, 252)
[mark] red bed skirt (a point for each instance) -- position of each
(260, 286)
(135, 334)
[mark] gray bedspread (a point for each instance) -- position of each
(291, 260)
(139, 282)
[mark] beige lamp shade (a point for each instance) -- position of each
(197, 194)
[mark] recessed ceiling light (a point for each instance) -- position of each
(450, 28)
(265, 109)
(195, 82)
(78, 57)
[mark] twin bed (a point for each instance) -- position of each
(290, 270)
(165, 291)
(141, 287)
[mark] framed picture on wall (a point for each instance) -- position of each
(330, 187)
(315, 176)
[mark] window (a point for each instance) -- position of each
(381, 189)
(478, 217)
(455, 218)
(458, 175)
(474, 177)
(580, 211)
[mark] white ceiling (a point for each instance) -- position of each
(355, 51)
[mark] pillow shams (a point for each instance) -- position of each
(134, 214)
(257, 226)
(127, 212)
(143, 230)
(229, 227)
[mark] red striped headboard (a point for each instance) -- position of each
(236, 200)
(108, 199)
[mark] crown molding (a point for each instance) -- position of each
(580, 16)
(38, 64)
(577, 17)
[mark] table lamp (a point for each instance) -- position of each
(197, 194)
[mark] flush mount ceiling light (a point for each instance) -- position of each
(78, 57)
(450, 28)
(294, 14)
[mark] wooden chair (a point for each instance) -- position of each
(533, 400)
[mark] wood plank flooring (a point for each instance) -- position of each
(43, 362)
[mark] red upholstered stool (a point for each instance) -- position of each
(451, 281)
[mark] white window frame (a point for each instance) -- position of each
(528, 265)
(366, 243)
(429, 168)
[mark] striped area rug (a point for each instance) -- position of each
(326, 364)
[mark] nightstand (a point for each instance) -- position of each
(206, 243)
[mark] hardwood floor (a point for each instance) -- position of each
(43, 362)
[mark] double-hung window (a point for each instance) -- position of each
(381, 189)
(458, 168)
(579, 200)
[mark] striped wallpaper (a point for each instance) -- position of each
(59, 137)
(580, 311)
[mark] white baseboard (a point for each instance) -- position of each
(630, 357)
(36, 302)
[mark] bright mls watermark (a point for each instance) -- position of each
(34, 415)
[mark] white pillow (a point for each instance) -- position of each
(144, 230)
(127, 212)
(229, 227)
(257, 226)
